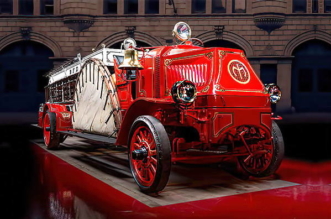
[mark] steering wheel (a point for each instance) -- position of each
(196, 42)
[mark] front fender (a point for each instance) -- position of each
(141, 106)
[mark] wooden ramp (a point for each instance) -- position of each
(187, 183)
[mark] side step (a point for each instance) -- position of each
(35, 125)
(93, 137)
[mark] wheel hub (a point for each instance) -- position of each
(139, 154)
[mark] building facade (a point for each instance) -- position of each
(287, 42)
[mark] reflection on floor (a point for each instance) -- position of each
(81, 181)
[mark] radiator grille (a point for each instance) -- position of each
(157, 80)
(197, 73)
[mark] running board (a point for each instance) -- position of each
(93, 137)
(36, 125)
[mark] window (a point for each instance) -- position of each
(239, 6)
(42, 81)
(324, 80)
(130, 6)
(6, 6)
(110, 6)
(11, 81)
(198, 6)
(305, 80)
(268, 73)
(46, 7)
(299, 6)
(26, 7)
(315, 6)
(151, 6)
(219, 6)
(327, 6)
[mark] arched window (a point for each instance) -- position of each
(22, 85)
(222, 43)
(139, 44)
(311, 77)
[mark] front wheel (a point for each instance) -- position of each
(265, 164)
(149, 154)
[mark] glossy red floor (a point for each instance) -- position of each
(61, 190)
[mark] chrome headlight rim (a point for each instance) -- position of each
(178, 89)
(185, 34)
(274, 92)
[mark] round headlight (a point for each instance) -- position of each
(184, 91)
(129, 43)
(274, 92)
(182, 31)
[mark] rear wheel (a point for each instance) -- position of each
(265, 163)
(149, 154)
(51, 137)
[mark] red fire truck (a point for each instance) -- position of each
(166, 104)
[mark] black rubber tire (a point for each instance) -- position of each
(276, 158)
(55, 138)
(163, 153)
(63, 138)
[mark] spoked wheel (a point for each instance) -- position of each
(267, 157)
(149, 154)
(51, 138)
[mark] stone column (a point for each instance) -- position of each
(36, 7)
(284, 76)
(208, 6)
(289, 7)
(120, 7)
(249, 7)
(229, 6)
(321, 6)
(162, 7)
(256, 67)
(15, 7)
(100, 7)
(57, 7)
(309, 6)
(141, 7)
(188, 8)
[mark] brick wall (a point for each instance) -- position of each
(57, 32)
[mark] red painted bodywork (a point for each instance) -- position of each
(224, 100)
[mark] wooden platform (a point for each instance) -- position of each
(187, 182)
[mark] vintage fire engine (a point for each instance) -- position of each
(166, 104)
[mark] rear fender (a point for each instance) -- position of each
(63, 116)
(146, 106)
